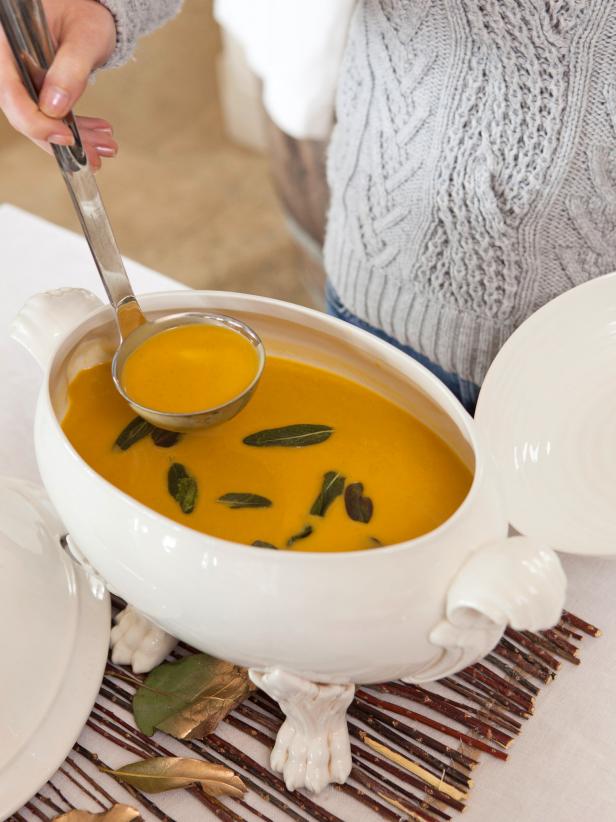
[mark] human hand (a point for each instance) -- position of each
(85, 35)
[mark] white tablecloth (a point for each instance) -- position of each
(563, 765)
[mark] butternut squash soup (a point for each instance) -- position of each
(315, 462)
(190, 368)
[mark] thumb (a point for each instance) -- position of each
(83, 47)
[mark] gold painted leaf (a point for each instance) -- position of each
(188, 698)
(166, 773)
(117, 813)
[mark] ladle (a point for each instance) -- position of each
(28, 35)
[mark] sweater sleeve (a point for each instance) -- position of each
(133, 19)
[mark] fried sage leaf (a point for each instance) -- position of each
(236, 499)
(305, 532)
(188, 698)
(163, 438)
(136, 430)
(164, 773)
(182, 487)
(290, 436)
(117, 813)
(358, 507)
(259, 543)
(333, 486)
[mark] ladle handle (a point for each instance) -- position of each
(28, 35)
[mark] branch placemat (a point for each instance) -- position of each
(414, 747)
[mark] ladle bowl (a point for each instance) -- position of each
(195, 419)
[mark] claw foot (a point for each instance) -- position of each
(137, 642)
(312, 747)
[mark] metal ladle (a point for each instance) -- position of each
(30, 40)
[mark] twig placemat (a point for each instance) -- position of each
(414, 748)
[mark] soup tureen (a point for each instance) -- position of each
(307, 626)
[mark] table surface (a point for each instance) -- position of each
(562, 765)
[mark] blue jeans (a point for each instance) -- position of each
(466, 391)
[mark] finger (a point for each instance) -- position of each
(22, 112)
(100, 141)
(98, 145)
(85, 41)
(94, 124)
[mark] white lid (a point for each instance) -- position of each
(54, 636)
(547, 413)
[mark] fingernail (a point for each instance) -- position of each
(106, 151)
(104, 129)
(54, 101)
(61, 139)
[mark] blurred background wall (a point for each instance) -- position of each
(185, 198)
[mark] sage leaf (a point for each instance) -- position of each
(165, 773)
(182, 487)
(163, 438)
(290, 436)
(258, 543)
(240, 500)
(333, 486)
(305, 532)
(375, 542)
(116, 813)
(136, 430)
(358, 507)
(188, 698)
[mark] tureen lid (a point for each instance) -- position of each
(547, 413)
(54, 635)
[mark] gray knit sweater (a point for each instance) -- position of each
(472, 168)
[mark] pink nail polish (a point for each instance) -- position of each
(54, 100)
(61, 140)
(106, 151)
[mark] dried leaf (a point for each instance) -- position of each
(165, 773)
(188, 698)
(236, 499)
(136, 430)
(182, 487)
(163, 438)
(333, 486)
(305, 532)
(359, 508)
(117, 813)
(290, 436)
(259, 543)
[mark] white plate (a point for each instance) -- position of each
(548, 411)
(54, 635)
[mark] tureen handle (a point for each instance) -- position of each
(48, 317)
(513, 582)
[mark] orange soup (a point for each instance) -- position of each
(315, 462)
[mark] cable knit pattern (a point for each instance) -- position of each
(473, 167)
(133, 19)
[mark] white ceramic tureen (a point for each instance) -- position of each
(311, 626)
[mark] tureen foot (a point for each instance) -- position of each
(312, 747)
(137, 642)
